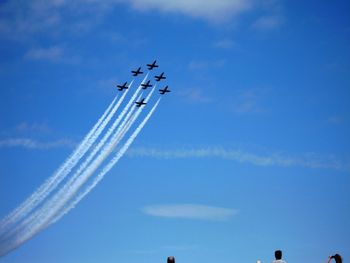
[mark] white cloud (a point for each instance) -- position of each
(308, 160)
(268, 22)
(190, 211)
(219, 10)
(33, 144)
(22, 19)
(52, 53)
(33, 127)
(248, 101)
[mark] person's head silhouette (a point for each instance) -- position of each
(278, 254)
(171, 259)
(337, 258)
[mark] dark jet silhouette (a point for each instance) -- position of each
(140, 103)
(164, 90)
(136, 72)
(146, 85)
(122, 87)
(160, 77)
(153, 65)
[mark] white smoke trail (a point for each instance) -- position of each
(36, 216)
(33, 217)
(22, 210)
(31, 232)
(18, 225)
(129, 119)
(70, 189)
(59, 198)
(109, 166)
(55, 205)
(45, 218)
(124, 129)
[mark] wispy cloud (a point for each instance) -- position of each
(33, 144)
(190, 211)
(195, 95)
(216, 11)
(27, 129)
(20, 19)
(308, 160)
(33, 127)
(53, 54)
(268, 22)
(248, 101)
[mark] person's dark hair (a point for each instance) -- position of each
(171, 260)
(278, 254)
(337, 258)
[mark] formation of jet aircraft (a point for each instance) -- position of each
(147, 84)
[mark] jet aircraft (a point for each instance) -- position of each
(136, 72)
(164, 90)
(122, 87)
(160, 77)
(140, 103)
(153, 65)
(146, 85)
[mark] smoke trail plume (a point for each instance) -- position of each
(36, 214)
(99, 177)
(59, 194)
(31, 202)
(41, 218)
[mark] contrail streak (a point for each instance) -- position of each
(51, 183)
(45, 214)
(60, 177)
(125, 128)
(99, 177)
(46, 211)
(62, 191)
(110, 165)
(58, 202)
(69, 190)
(129, 119)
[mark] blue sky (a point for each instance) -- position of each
(248, 154)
